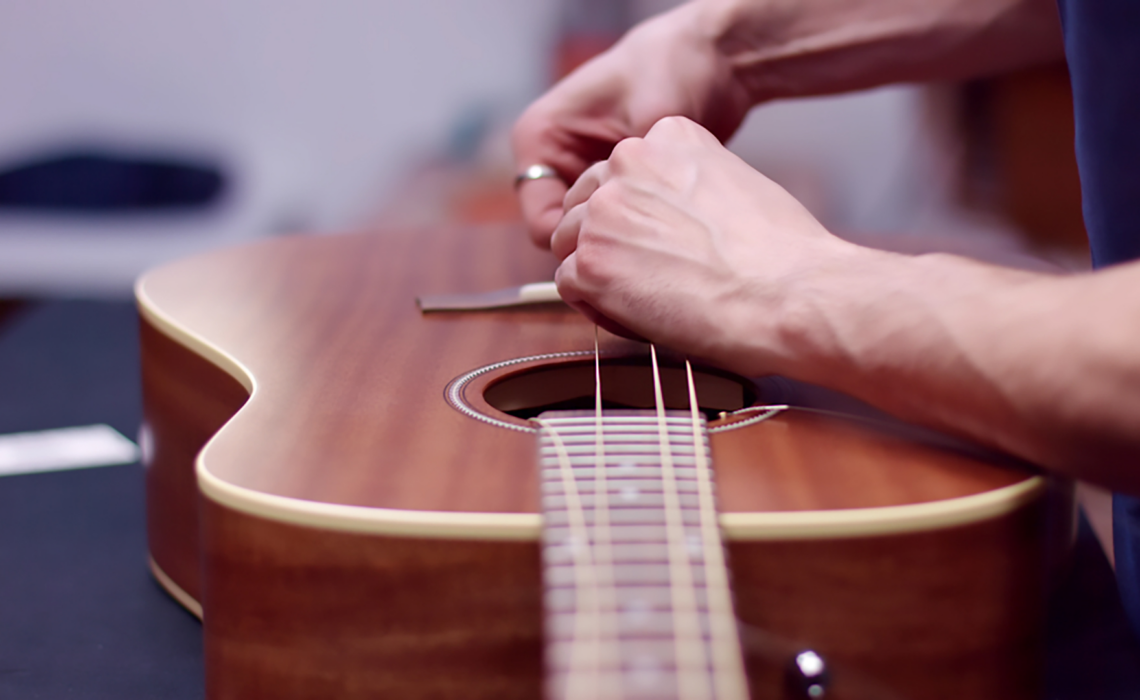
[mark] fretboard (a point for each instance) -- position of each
(636, 588)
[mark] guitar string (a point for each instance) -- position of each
(613, 686)
(580, 683)
(690, 663)
(586, 643)
(727, 663)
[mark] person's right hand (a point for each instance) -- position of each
(666, 66)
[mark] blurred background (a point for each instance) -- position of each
(134, 132)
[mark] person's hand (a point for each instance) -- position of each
(712, 60)
(677, 240)
(666, 66)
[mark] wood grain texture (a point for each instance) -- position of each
(296, 612)
(349, 370)
(351, 373)
(348, 409)
(185, 401)
(806, 462)
(924, 615)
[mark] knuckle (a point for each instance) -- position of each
(606, 204)
(591, 259)
(674, 127)
(603, 198)
(670, 124)
(627, 151)
(591, 235)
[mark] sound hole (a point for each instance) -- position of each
(626, 383)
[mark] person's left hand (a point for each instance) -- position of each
(677, 240)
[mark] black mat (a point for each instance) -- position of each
(81, 618)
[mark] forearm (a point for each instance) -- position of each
(677, 240)
(786, 48)
(1044, 367)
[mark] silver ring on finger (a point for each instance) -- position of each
(538, 171)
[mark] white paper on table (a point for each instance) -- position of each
(64, 448)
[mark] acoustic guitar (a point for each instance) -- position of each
(364, 500)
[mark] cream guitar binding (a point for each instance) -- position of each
(346, 531)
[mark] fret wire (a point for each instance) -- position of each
(631, 516)
(571, 435)
(656, 595)
(728, 666)
(647, 627)
(618, 485)
(582, 684)
(553, 474)
(656, 553)
(640, 441)
(632, 552)
(687, 466)
(641, 574)
(619, 533)
(690, 656)
(618, 449)
(642, 499)
(660, 648)
(636, 420)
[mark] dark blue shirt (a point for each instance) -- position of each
(1102, 43)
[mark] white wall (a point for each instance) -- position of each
(319, 107)
(315, 105)
(860, 161)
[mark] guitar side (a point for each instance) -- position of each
(343, 564)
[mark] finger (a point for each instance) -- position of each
(565, 238)
(566, 277)
(605, 322)
(541, 205)
(586, 184)
(540, 201)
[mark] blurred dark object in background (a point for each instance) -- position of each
(1019, 157)
(588, 27)
(9, 308)
(98, 181)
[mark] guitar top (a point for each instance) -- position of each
(346, 378)
(347, 488)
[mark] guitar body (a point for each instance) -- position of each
(346, 491)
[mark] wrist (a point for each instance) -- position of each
(826, 320)
(678, 53)
(736, 29)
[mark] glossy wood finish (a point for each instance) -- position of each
(812, 461)
(348, 409)
(296, 612)
(947, 614)
(349, 370)
(186, 400)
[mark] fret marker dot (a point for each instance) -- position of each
(572, 544)
(636, 612)
(644, 672)
(629, 494)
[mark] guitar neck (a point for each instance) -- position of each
(636, 587)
